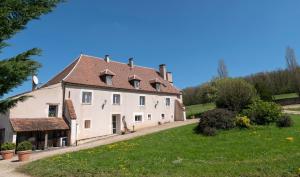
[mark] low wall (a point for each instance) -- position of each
(288, 101)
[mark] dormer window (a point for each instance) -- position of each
(156, 83)
(135, 81)
(157, 87)
(106, 76)
(136, 84)
(108, 80)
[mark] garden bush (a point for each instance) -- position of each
(234, 94)
(8, 146)
(216, 118)
(262, 112)
(284, 121)
(209, 131)
(242, 122)
(24, 146)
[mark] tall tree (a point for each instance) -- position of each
(222, 69)
(14, 15)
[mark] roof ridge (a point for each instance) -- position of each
(120, 62)
(48, 83)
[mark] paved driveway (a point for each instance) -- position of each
(7, 168)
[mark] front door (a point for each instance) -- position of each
(2, 135)
(114, 124)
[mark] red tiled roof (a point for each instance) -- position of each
(71, 110)
(38, 124)
(86, 71)
(152, 81)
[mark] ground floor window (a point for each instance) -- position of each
(149, 116)
(138, 118)
(162, 116)
(87, 124)
(53, 110)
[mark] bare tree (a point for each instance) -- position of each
(291, 59)
(293, 68)
(222, 69)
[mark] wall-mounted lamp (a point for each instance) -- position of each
(156, 103)
(104, 103)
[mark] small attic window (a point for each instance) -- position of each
(136, 84)
(157, 86)
(156, 83)
(135, 81)
(108, 79)
(106, 76)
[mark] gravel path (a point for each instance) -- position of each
(7, 168)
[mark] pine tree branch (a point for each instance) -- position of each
(8, 103)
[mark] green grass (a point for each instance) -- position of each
(284, 96)
(261, 151)
(198, 108)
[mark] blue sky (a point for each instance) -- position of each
(189, 36)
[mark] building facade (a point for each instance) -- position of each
(92, 98)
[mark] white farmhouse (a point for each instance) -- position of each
(92, 98)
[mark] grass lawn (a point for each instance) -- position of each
(199, 108)
(261, 151)
(284, 96)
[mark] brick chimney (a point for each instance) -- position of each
(163, 71)
(130, 62)
(106, 58)
(170, 77)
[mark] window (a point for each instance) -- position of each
(162, 116)
(149, 116)
(168, 101)
(138, 118)
(136, 84)
(157, 86)
(53, 111)
(116, 99)
(108, 79)
(86, 97)
(87, 124)
(142, 100)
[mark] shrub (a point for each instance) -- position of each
(262, 112)
(209, 131)
(8, 146)
(234, 94)
(284, 121)
(216, 118)
(242, 122)
(24, 146)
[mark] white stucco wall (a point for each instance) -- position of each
(37, 106)
(101, 119)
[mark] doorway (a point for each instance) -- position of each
(2, 135)
(116, 124)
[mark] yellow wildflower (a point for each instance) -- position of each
(290, 138)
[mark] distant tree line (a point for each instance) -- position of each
(266, 84)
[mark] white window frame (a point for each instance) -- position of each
(57, 110)
(138, 86)
(138, 114)
(92, 97)
(166, 101)
(106, 80)
(112, 98)
(148, 116)
(144, 100)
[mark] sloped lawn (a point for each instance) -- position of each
(263, 151)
